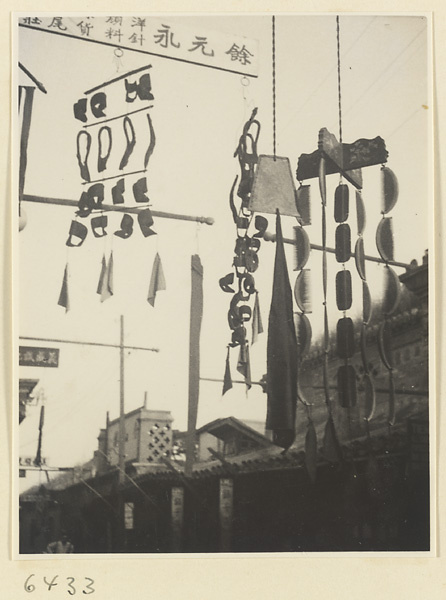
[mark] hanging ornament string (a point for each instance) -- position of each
(346, 376)
(118, 53)
(339, 79)
(274, 83)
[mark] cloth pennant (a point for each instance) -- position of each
(157, 281)
(257, 325)
(106, 289)
(227, 380)
(244, 364)
(102, 275)
(64, 299)
(110, 274)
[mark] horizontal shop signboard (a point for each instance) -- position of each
(158, 37)
(31, 356)
(28, 461)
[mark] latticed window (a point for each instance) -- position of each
(160, 442)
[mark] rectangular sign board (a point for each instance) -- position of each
(31, 356)
(28, 461)
(157, 37)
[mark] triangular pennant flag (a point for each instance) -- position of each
(244, 364)
(63, 296)
(102, 275)
(110, 274)
(331, 448)
(257, 325)
(311, 451)
(282, 352)
(157, 281)
(227, 381)
(106, 290)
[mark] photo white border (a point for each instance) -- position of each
(369, 561)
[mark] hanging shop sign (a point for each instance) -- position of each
(158, 37)
(347, 159)
(128, 515)
(177, 515)
(29, 461)
(38, 357)
(226, 512)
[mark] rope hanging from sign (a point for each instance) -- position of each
(392, 289)
(274, 82)
(338, 47)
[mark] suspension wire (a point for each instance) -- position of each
(339, 79)
(274, 83)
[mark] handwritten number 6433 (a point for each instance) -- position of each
(71, 588)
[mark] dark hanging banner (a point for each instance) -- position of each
(282, 354)
(196, 314)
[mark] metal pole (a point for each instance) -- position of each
(111, 207)
(39, 339)
(121, 408)
(271, 237)
(121, 480)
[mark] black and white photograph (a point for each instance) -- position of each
(223, 284)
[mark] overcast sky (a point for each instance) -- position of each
(198, 116)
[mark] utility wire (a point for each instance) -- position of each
(318, 87)
(382, 73)
(372, 96)
(149, 498)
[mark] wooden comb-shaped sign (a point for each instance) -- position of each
(347, 159)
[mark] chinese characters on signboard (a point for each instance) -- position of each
(28, 461)
(128, 515)
(158, 37)
(226, 512)
(38, 357)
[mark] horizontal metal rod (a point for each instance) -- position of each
(49, 469)
(118, 208)
(421, 393)
(233, 381)
(37, 339)
(114, 177)
(133, 112)
(271, 237)
(102, 85)
(39, 85)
